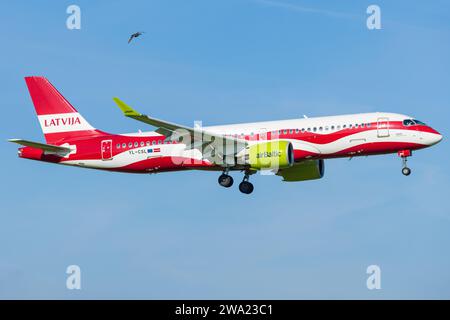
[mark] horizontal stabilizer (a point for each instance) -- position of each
(42, 146)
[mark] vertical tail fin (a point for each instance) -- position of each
(59, 120)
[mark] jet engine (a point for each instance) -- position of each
(305, 170)
(270, 155)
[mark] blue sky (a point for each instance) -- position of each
(180, 235)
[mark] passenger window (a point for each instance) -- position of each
(332, 127)
(368, 125)
(159, 142)
(153, 142)
(344, 126)
(309, 129)
(136, 144)
(285, 131)
(303, 130)
(142, 143)
(147, 143)
(291, 131)
(296, 130)
(124, 145)
(130, 145)
(314, 129)
(326, 128)
(320, 128)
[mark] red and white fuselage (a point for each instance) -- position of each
(151, 152)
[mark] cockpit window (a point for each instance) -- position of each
(413, 122)
(419, 122)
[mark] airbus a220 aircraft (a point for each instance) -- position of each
(293, 149)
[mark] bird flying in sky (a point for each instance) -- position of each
(135, 35)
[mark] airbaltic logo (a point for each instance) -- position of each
(269, 154)
(63, 122)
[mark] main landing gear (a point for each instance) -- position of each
(246, 186)
(225, 180)
(404, 154)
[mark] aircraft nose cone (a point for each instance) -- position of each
(436, 138)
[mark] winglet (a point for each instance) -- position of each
(126, 109)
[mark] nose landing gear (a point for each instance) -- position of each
(404, 154)
(406, 171)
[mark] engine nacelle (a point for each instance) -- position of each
(305, 170)
(276, 154)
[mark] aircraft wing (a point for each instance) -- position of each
(42, 146)
(200, 138)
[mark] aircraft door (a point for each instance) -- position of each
(383, 127)
(106, 149)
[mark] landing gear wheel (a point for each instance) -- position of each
(225, 180)
(246, 187)
(406, 171)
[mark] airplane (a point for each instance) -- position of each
(292, 149)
